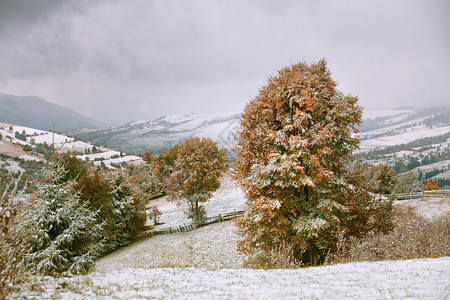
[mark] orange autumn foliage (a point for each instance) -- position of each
(294, 142)
(430, 186)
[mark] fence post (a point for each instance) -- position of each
(423, 194)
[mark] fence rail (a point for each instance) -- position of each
(188, 227)
(420, 194)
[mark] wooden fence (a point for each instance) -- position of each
(420, 194)
(188, 227)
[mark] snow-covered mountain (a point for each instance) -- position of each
(407, 139)
(37, 113)
(161, 134)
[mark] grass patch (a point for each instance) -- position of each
(412, 237)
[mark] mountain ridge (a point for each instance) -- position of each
(35, 112)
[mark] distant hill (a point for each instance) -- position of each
(32, 111)
(161, 134)
(30, 144)
(409, 140)
(406, 138)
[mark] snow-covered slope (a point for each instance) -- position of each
(414, 130)
(379, 129)
(33, 144)
(417, 140)
(407, 279)
(396, 127)
(161, 134)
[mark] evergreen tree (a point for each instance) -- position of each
(294, 140)
(74, 168)
(383, 179)
(121, 209)
(65, 234)
(127, 209)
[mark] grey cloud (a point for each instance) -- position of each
(124, 60)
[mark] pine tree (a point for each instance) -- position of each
(127, 210)
(383, 179)
(65, 236)
(294, 141)
(74, 168)
(198, 166)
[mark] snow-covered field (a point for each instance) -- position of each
(211, 247)
(410, 279)
(227, 199)
(409, 135)
(428, 207)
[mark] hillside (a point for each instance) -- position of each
(34, 112)
(417, 140)
(407, 139)
(33, 144)
(204, 264)
(161, 134)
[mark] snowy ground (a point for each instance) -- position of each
(227, 199)
(410, 279)
(410, 135)
(428, 207)
(204, 264)
(211, 247)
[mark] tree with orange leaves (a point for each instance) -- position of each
(430, 186)
(197, 168)
(295, 139)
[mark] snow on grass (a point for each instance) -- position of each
(11, 165)
(30, 157)
(409, 279)
(211, 247)
(228, 198)
(428, 207)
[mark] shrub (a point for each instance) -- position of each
(20, 136)
(413, 237)
(430, 186)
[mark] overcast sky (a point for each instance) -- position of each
(119, 61)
